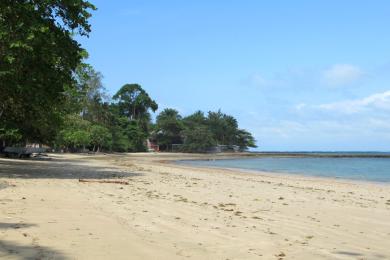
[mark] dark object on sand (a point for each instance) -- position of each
(21, 152)
(105, 181)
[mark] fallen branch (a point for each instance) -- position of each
(105, 181)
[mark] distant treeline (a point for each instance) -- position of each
(49, 95)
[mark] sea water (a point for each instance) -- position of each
(363, 169)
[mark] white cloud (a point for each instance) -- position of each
(375, 101)
(300, 106)
(342, 74)
(258, 80)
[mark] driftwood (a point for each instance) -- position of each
(105, 181)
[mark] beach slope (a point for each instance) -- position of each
(169, 211)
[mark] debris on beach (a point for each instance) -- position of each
(106, 181)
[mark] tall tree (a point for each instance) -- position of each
(198, 138)
(38, 58)
(93, 101)
(194, 119)
(223, 127)
(168, 128)
(196, 135)
(100, 137)
(134, 102)
(75, 133)
(244, 140)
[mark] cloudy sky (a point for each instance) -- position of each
(300, 75)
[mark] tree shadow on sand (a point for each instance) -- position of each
(14, 250)
(19, 251)
(59, 169)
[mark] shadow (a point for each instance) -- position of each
(15, 225)
(3, 185)
(353, 254)
(348, 253)
(59, 169)
(15, 250)
(18, 251)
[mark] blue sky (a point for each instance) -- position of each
(300, 75)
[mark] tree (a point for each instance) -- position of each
(75, 139)
(75, 133)
(120, 141)
(244, 140)
(100, 137)
(197, 139)
(136, 137)
(9, 136)
(223, 127)
(195, 119)
(92, 98)
(168, 128)
(201, 133)
(38, 58)
(134, 102)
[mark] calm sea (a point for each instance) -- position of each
(363, 169)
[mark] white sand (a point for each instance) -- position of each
(179, 212)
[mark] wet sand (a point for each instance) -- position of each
(170, 211)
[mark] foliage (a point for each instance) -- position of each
(9, 136)
(168, 128)
(244, 139)
(198, 133)
(100, 137)
(38, 56)
(134, 102)
(195, 119)
(136, 137)
(197, 139)
(75, 133)
(223, 127)
(131, 114)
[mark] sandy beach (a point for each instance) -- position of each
(170, 211)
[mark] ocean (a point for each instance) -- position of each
(371, 168)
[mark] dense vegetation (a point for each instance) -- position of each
(197, 132)
(49, 95)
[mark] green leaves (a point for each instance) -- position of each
(10, 136)
(134, 102)
(168, 128)
(38, 58)
(198, 133)
(100, 136)
(199, 139)
(77, 133)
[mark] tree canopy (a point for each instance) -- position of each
(38, 58)
(134, 102)
(168, 128)
(198, 133)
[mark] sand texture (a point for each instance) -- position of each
(168, 211)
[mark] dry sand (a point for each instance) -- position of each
(179, 212)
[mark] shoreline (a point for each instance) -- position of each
(326, 154)
(298, 176)
(233, 156)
